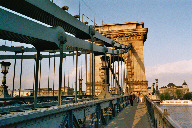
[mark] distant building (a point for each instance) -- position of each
(172, 89)
(67, 90)
(46, 92)
(78, 93)
(42, 92)
(25, 92)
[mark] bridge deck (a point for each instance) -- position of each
(131, 117)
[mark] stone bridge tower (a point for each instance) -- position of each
(126, 33)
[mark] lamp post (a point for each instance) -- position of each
(3, 88)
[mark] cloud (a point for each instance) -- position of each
(175, 72)
(171, 68)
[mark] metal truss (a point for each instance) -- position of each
(52, 35)
(42, 37)
(94, 114)
(49, 13)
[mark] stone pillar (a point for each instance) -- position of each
(105, 68)
(3, 88)
(135, 34)
(89, 80)
(1, 92)
(136, 68)
(156, 84)
(99, 75)
(80, 86)
(153, 88)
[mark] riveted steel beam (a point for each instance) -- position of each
(16, 28)
(42, 37)
(76, 110)
(21, 49)
(2, 57)
(49, 13)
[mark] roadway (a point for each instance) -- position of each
(135, 116)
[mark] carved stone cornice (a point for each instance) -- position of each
(124, 33)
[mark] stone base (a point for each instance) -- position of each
(4, 92)
(155, 99)
(126, 94)
(104, 95)
(117, 91)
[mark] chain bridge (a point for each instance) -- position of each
(106, 98)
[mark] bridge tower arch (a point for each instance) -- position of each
(126, 33)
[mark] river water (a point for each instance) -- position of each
(180, 113)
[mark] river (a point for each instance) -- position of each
(180, 113)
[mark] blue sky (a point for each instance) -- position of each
(168, 21)
(167, 50)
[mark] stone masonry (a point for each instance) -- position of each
(126, 33)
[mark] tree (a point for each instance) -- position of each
(178, 93)
(187, 96)
(167, 96)
(162, 97)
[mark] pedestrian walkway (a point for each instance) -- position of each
(131, 117)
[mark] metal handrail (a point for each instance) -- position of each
(153, 109)
(77, 110)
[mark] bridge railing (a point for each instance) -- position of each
(19, 104)
(30, 99)
(92, 113)
(159, 118)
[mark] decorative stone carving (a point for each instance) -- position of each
(126, 33)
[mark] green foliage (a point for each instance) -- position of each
(178, 93)
(167, 96)
(187, 96)
(162, 97)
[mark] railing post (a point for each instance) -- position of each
(62, 38)
(70, 119)
(76, 75)
(60, 73)
(98, 115)
(118, 105)
(114, 110)
(165, 111)
(155, 116)
(127, 100)
(102, 117)
(84, 119)
(123, 102)
(111, 108)
(36, 78)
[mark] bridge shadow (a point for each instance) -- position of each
(131, 117)
(138, 59)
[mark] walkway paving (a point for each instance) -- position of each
(131, 117)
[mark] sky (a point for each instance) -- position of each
(167, 50)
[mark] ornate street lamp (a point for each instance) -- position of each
(3, 87)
